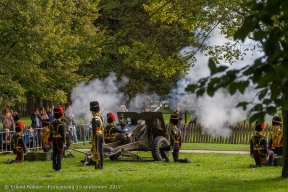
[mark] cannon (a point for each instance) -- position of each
(145, 131)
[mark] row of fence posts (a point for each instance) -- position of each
(240, 133)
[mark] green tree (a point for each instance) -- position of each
(42, 45)
(266, 24)
(144, 50)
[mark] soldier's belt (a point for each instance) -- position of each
(176, 142)
(99, 132)
(110, 137)
(57, 136)
(257, 149)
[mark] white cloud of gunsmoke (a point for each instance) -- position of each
(106, 92)
(215, 113)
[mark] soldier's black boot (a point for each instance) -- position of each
(187, 160)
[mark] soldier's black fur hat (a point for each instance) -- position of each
(276, 120)
(259, 127)
(19, 126)
(57, 112)
(110, 117)
(94, 106)
(174, 118)
(46, 122)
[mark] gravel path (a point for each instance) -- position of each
(198, 151)
(210, 151)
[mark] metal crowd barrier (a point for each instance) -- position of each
(33, 141)
(5, 142)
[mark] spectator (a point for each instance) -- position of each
(146, 109)
(71, 123)
(7, 120)
(43, 113)
(36, 125)
(15, 115)
(50, 114)
(32, 137)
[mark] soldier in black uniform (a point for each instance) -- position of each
(45, 135)
(276, 139)
(58, 138)
(258, 148)
(97, 135)
(18, 145)
(68, 135)
(110, 129)
(175, 142)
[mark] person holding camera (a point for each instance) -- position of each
(36, 124)
(71, 123)
(7, 119)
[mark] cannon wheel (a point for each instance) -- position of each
(157, 143)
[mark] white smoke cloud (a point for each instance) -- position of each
(216, 113)
(106, 92)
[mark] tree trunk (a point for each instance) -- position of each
(285, 144)
(29, 106)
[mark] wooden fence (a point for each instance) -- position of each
(240, 134)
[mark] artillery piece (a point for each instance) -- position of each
(145, 131)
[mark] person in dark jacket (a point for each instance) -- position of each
(259, 149)
(57, 136)
(36, 124)
(18, 144)
(97, 135)
(276, 139)
(175, 142)
(110, 130)
(45, 136)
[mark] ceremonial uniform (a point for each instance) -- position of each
(258, 148)
(276, 138)
(18, 144)
(68, 136)
(110, 129)
(97, 135)
(58, 137)
(45, 135)
(175, 142)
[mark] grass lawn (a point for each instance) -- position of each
(207, 172)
